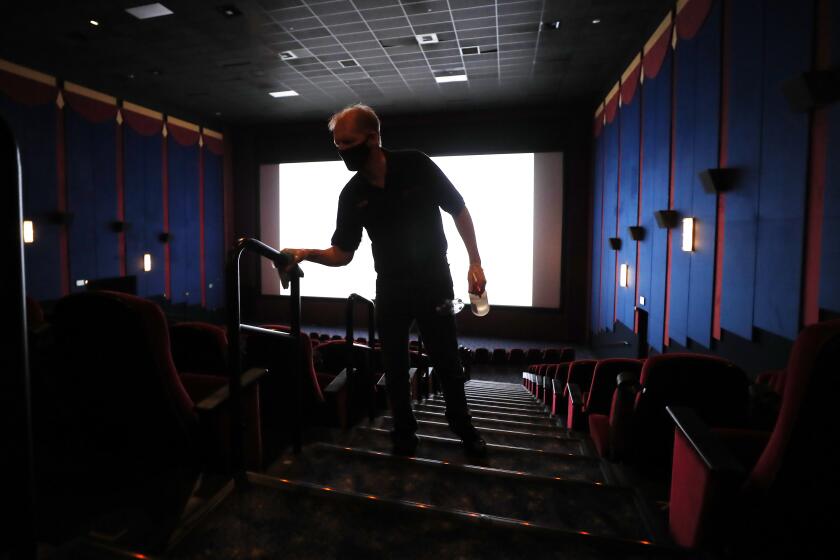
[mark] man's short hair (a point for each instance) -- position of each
(366, 118)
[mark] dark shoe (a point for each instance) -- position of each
(404, 445)
(475, 446)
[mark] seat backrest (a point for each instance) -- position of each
(799, 462)
(551, 355)
(517, 356)
(482, 355)
(113, 414)
(534, 356)
(276, 354)
(604, 382)
(34, 314)
(500, 356)
(580, 373)
(199, 347)
(715, 388)
(567, 355)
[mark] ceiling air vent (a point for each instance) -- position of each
(350, 63)
(469, 50)
(287, 55)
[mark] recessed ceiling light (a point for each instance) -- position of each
(552, 24)
(287, 55)
(229, 11)
(287, 93)
(427, 38)
(454, 78)
(94, 23)
(148, 11)
(596, 21)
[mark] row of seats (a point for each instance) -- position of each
(519, 357)
(747, 463)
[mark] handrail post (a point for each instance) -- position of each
(234, 314)
(16, 424)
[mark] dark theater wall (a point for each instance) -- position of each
(103, 179)
(764, 262)
(489, 131)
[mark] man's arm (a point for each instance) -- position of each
(334, 256)
(475, 276)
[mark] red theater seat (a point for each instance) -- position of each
(557, 382)
(200, 348)
(597, 397)
(779, 502)
(535, 356)
(577, 372)
(500, 357)
(116, 427)
(639, 426)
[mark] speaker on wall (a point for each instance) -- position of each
(615, 243)
(667, 218)
(165, 237)
(812, 90)
(718, 179)
(637, 233)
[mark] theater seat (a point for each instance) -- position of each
(640, 429)
(535, 356)
(578, 372)
(115, 428)
(482, 356)
(517, 357)
(500, 357)
(778, 503)
(34, 314)
(200, 348)
(597, 397)
(557, 382)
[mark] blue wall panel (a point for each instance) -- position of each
(784, 171)
(214, 228)
(92, 198)
(35, 131)
(184, 223)
(744, 153)
(656, 163)
(597, 202)
(706, 155)
(608, 272)
(144, 210)
(685, 75)
(830, 261)
(629, 205)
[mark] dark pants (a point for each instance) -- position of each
(398, 303)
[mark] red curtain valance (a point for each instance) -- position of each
(26, 91)
(142, 124)
(90, 109)
(184, 136)
(690, 19)
(630, 84)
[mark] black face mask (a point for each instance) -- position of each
(356, 156)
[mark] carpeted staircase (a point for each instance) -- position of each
(540, 490)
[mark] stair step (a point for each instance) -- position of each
(519, 459)
(558, 504)
(535, 418)
(480, 421)
(271, 518)
(503, 400)
(517, 438)
(492, 408)
(531, 407)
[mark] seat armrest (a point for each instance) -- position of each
(220, 396)
(708, 445)
(575, 396)
(338, 383)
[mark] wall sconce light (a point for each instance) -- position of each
(615, 243)
(28, 231)
(688, 234)
(622, 275)
(147, 262)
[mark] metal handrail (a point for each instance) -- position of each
(235, 329)
(351, 301)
